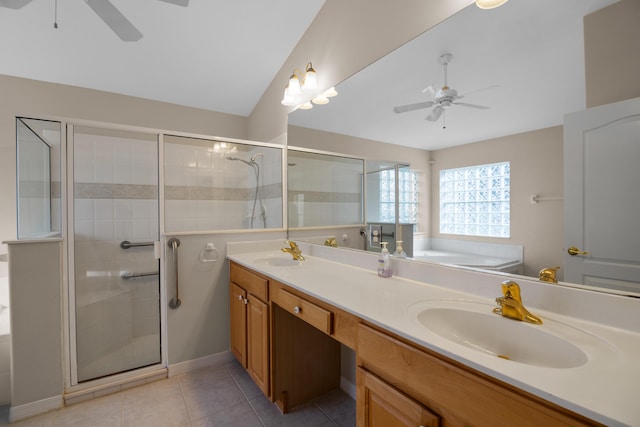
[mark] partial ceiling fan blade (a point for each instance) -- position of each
(431, 90)
(115, 20)
(14, 4)
(479, 107)
(412, 107)
(478, 90)
(435, 114)
(183, 3)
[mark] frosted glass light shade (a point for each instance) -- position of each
(320, 100)
(331, 92)
(310, 81)
(489, 4)
(294, 86)
(287, 99)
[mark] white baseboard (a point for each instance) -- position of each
(348, 387)
(20, 412)
(202, 362)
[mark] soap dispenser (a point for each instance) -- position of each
(399, 253)
(384, 262)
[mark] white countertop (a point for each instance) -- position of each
(604, 388)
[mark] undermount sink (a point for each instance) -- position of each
(474, 326)
(278, 260)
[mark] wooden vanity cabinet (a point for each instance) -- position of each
(381, 404)
(458, 395)
(249, 320)
(290, 341)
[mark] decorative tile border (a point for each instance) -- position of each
(325, 196)
(115, 191)
(172, 192)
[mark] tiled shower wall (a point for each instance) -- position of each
(115, 189)
(205, 191)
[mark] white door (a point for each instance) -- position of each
(602, 196)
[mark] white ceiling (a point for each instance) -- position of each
(214, 54)
(533, 51)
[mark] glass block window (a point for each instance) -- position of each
(408, 196)
(475, 201)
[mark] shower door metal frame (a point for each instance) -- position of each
(69, 321)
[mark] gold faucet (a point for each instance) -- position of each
(294, 250)
(510, 304)
(331, 241)
(548, 274)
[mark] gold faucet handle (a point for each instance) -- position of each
(511, 289)
(548, 274)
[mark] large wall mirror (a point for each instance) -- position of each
(530, 63)
(323, 189)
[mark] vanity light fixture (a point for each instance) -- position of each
(302, 90)
(490, 4)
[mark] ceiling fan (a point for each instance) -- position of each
(443, 98)
(111, 16)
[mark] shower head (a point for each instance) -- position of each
(255, 156)
(238, 159)
(250, 162)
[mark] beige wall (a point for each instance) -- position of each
(36, 347)
(536, 168)
(369, 150)
(344, 38)
(612, 63)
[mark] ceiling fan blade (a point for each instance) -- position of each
(14, 4)
(412, 107)
(479, 107)
(431, 90)
(115, 20)
(183, 3)
(435, 114)
(479, 90)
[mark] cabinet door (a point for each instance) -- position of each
(258, 342)
(238, 321)
(381, 405)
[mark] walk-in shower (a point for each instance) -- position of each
(257, 197)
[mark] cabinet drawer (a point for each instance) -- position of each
(251, 282)
(314, 315)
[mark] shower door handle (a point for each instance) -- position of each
(173, 244)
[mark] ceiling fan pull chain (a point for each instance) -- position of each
(55, 14)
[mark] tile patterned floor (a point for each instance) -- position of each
(220, 396)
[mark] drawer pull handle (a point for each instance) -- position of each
(246, 301)
(297, 310)
(239, 297)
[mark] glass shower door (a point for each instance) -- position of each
(116, 282)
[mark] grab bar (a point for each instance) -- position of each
(173, 244)
(127, 244)
(126, 275)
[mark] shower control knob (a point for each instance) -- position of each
(297, 309)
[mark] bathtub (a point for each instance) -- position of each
(505, 265)
(5, 341)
